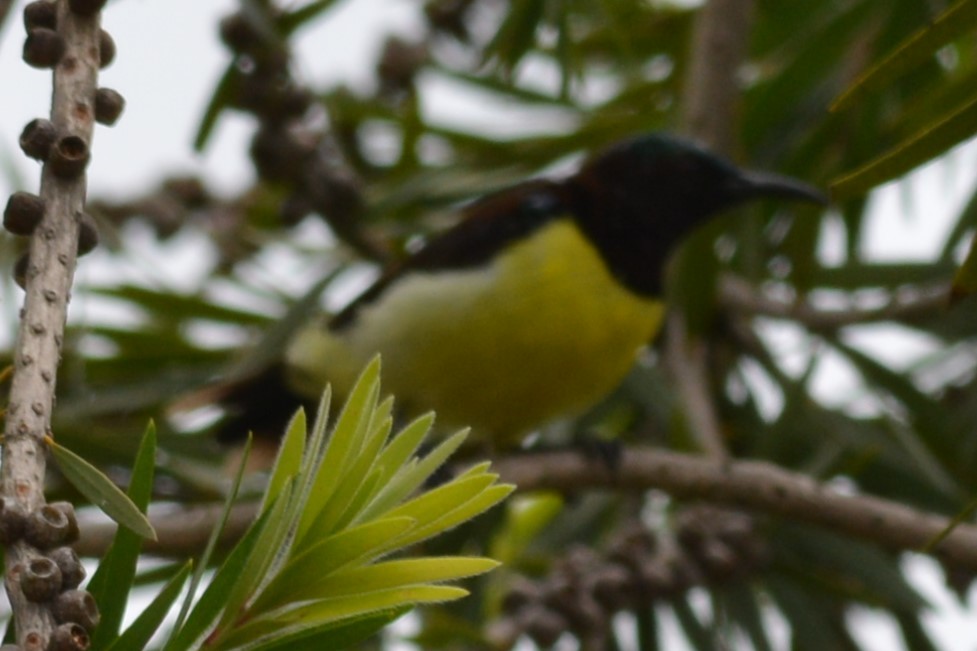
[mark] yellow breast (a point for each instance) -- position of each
(543, 331)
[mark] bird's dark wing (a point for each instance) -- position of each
(487, 226)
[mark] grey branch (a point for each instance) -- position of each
(737, 295)
(52, 252)
(712, 87)
(687, 358)
(749, 485)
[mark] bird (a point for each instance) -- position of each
(531, 308)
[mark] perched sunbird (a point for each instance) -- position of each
(533, 306)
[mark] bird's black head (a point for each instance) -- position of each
(639, 198)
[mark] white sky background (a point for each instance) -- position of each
(169, 59)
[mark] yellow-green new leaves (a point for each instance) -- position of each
(952, 128)
(337, 503)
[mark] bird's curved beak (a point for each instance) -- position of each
(749, 184)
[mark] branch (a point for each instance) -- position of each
(5, 7)
(687, 362)
(753, 485)
(750, 485)
(49, 274)
(737, 295)
(712, 90)
(181, 532)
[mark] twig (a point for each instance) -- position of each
(711, 101)
(736, 295)
(5, 7)
(750, 485)
(687, 359)
(712, 89)
(181, 532)
(52, 254)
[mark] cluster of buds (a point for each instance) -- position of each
(66, 155)
(586, 588)
(23, 215)
(288, 149)
(51, 576)
(449, 17)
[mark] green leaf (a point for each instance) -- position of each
(357, 480)
(956, 21)
(289, 459)
(332, 635)
(404, 444)
(699, 635)
(478, 504)
(517, 33)
(112, 581)
(812, 627)
(929, 441)
(269, 550)
(332, 610)
(913, 633)
(946, 132)
(740, 603)
(292, 20)
(411, 476)
(142, 629)
(965, 280)
(199, 612)
(391, 574)
(226, 88)
(211, 604)
(100, 490)
(358, 544)
(343, 443)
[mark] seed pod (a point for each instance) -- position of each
(69, 157)
(295, 208)
(72, 570)
(67, 509)
(278, 154)
(76, 606)
(239, 34)
(43, 48)
(108, 106)
(87, 234)
(41, 13)
(37, 138)
(86, 7)
(52, 525)
(13, 518)
(40, 579)
(106, 49)
(23, 213)
(542, 625)
(69, 637)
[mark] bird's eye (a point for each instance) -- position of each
(537, 203)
